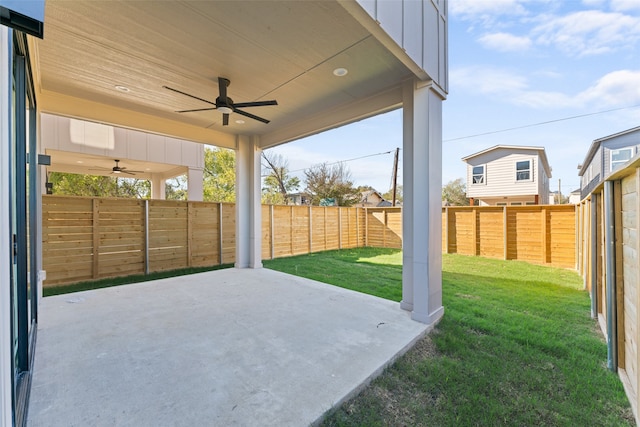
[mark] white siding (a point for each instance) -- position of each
(500, 174)
(629, 140)
(419, 27)
(109, 141)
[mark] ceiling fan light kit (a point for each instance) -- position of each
(225, 104)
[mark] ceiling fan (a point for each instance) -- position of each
(117, 169)
(225, 104)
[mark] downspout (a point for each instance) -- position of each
(594, 256)
(610, 277)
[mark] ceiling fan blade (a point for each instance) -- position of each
(222, 88)
(189, 95)
(127, 172)
(225, 119)
(255, 104)
(196, 109)
(99, 168)
(251, 116)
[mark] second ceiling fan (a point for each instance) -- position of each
(225, 104)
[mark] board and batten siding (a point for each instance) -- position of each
(413, 25)
(500, 174)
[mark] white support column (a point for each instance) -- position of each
(195, 186)
(422, 217)
(248, 207)
(158, 190)
(6, 353)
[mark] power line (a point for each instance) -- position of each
(348, 160)
(541, 123)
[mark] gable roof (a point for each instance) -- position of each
(598, 142)
(540, 150)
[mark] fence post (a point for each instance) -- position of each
(220, 228)
(271, 232)
(310, 228)
(339, 227)
(96, 237)
(446, 230)
(291, 229)
(505, 231)
(189, 233)
(325, 228)
(474, 231)
(357, 227)
(543, 240)
(146, 236)
(366, 226)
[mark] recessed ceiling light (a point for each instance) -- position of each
(79, 161)
(147, 169)
(340, 72)
(240, 121)
(122, 88)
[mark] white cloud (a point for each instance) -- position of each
(616, 89)
(469, 8)
(624, 5)
(589, 32)
(505, 42)
(487, 80)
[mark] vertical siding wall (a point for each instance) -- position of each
(594, 251)
(541, 234)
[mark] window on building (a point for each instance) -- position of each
(523, 170)
(620, 157)
(501, 204)
(516, 203)
(478, 175)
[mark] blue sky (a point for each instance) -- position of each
(512, 63)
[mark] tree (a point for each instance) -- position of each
(325, 182)
(389, 194)
(454, 193)
(176, 188)
(71, 184)
(277, 184)
(219, 175)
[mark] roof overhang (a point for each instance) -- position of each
(108, 61)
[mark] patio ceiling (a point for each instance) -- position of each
(283, 50)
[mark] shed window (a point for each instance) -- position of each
(620, 157)
(478, 175)
(523, 170)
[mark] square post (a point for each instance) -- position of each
(248, 207)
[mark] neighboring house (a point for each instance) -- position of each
(574, 197)
(508, 175)
(606, 155)
(298, 199)
(373, 199)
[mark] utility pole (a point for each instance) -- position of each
(559, 192)
(395, 175)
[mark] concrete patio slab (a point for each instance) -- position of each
(235, 347)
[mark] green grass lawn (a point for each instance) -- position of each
(516, 347)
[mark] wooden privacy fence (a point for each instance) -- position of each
(608, 260)
(92, 238)
(541, 234)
